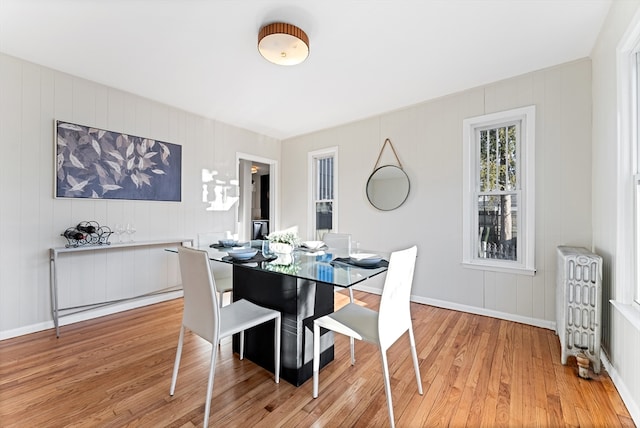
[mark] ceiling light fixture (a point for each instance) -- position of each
(283, 44)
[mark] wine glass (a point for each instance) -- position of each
(119, 230)
(130, 230)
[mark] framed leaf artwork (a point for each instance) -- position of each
(94, 163)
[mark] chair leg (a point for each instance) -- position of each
(387, 386)
(316, 358)
(414, 355)
(278, 329)
(352, 346)
(176, 364)
(212, 370)
(242, 344)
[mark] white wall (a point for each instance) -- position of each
(428, 140)
(31, 220)
(621, 339)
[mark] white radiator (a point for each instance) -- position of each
(578, 303)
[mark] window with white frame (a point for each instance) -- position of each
(323, 166)
(627, 259)
(498, 218)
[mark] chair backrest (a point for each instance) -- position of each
(201, 314)
(394, 317)
(337, 240)
(220, 270)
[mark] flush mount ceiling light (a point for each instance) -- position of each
(283, 44)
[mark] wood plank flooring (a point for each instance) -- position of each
(115, 371)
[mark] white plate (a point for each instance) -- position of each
(242, 253)
(365, 259)
(313, 245)
(363, 256)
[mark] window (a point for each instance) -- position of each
(627, 261)
(498, 225)
(323, 192)
(627, 257)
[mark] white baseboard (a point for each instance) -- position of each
(551, 325)
(536, 322)
(372, 290)
(90, 314)
(618, 381)
(27, 329)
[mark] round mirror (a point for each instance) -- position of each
(388, 187)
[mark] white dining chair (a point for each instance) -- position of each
(222, 272)
(342, 241)
(204, 317)
(382, 328)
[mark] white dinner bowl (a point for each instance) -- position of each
(313, 245)
(228, 242)
(242, 253)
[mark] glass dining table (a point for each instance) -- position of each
(301, 286)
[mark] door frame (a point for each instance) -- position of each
(244, 188)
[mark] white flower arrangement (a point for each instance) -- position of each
(290, 238)
(283, 242)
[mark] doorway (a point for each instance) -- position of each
(257, 215)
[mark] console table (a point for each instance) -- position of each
(54, 253)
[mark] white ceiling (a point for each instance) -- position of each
(366, 57)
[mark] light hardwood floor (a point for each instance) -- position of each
(476, 371)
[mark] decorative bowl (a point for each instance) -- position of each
(242, 253)
(280, 247)
(228, 242)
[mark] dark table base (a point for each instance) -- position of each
(300, 302)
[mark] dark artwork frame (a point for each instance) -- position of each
(94, 163)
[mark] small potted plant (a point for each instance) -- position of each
(282, 242)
